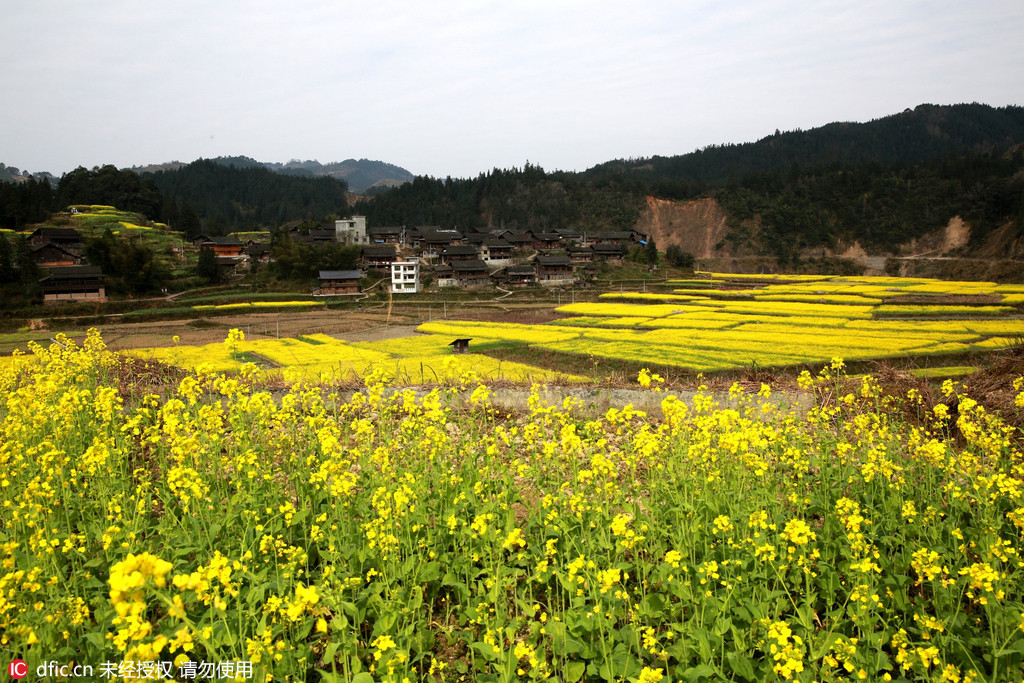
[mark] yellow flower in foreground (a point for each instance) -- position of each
(649, 675)
(798, 533)
(131, 574)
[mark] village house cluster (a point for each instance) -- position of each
(471, 259)
(410, 257)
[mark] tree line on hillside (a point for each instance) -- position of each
(924, 133)
(201, 197)
(230, 199)
(880, 206)
(521, 199)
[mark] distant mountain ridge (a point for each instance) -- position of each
(926, 132)
(360, 174)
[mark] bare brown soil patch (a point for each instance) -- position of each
(123, 336)
(523, 317)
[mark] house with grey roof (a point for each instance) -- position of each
(335, 282)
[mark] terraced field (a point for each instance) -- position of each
(710, 324)
(321, 358)
(726, 322)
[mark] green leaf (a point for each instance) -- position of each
(428, 572)
(703, 645)
(574, 670)
(722, 626)
(741, 665)
(652, 606)
(255, 595)
(96, 639)
(350, 609)
(486, 650)
(1017, 647)
(563, 643)
(363, 677)
(695, 673)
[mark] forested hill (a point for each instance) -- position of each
(201, 196)
(228, 198)
(880, 184)
(926, 132)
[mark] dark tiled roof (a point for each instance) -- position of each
(226, 240)
(340, 275)
(50, 246)
(553, 260)
(74, 273)
(58, 233)
(459, 250)
(470, 266)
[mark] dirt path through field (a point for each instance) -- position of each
(368, 324)
(256, 326)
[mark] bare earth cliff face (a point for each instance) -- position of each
(696, 226)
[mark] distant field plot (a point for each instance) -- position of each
(621, 310)
(723, 318)
(600, 321)
(823, 298)
(257, 304)
(321, 358)
(908, 311)
(430, 369)
(696, 321)
(796, 308)
(784, 321)
(510, 332)
(742, 322)
(996, 343)
(947, 371)
(651, 296)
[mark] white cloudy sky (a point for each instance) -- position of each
(456, 88)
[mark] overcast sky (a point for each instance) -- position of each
(457, 88)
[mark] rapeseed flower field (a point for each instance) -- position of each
(773, 321)
(324, 359)
(391, 537)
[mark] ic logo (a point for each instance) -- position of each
(18, 668)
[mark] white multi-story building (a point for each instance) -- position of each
(351, 230)
(405, 276)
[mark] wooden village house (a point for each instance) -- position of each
(73, 283)
(335, 282)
